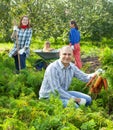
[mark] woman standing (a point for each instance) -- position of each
(22, 36)
(74, 38)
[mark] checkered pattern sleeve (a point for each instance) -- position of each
(28, 38)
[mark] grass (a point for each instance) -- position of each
(39, 114)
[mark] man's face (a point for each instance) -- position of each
(66, 55)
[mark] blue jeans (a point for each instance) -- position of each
(77, 95)
(22, 59)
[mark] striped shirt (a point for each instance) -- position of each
(24, 38)
(58, 78)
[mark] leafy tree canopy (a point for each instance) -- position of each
(51, 18)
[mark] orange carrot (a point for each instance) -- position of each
(105, 83)
(98, 81)
(97, 89)
(93, 90)
(91, 80)
(100, 86)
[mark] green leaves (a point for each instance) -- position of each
(20, 108)
(51, 18)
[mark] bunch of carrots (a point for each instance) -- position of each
(96, 83)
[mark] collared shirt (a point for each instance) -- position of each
(24, 38)
(58, 78)
(74, 36)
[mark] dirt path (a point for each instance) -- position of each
(92, 63)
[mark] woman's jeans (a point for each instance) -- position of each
(22, 63)
(77, 95)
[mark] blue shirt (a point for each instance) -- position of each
(74, 36)
(59, 78)
(24, 38)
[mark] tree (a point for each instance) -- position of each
(51, 18)
(5, 21)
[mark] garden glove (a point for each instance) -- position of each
(99, 71)
(21, 51)
(15, 28)
(82, 102)
(10, 55)
(72, 47)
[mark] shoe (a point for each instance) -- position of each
(82, 102)
(16, 72)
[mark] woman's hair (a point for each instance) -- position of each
(75, 24)
(28, 26)
(47, 42)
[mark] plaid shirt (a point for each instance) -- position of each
(24, 38)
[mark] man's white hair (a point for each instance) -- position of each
(66, 47)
